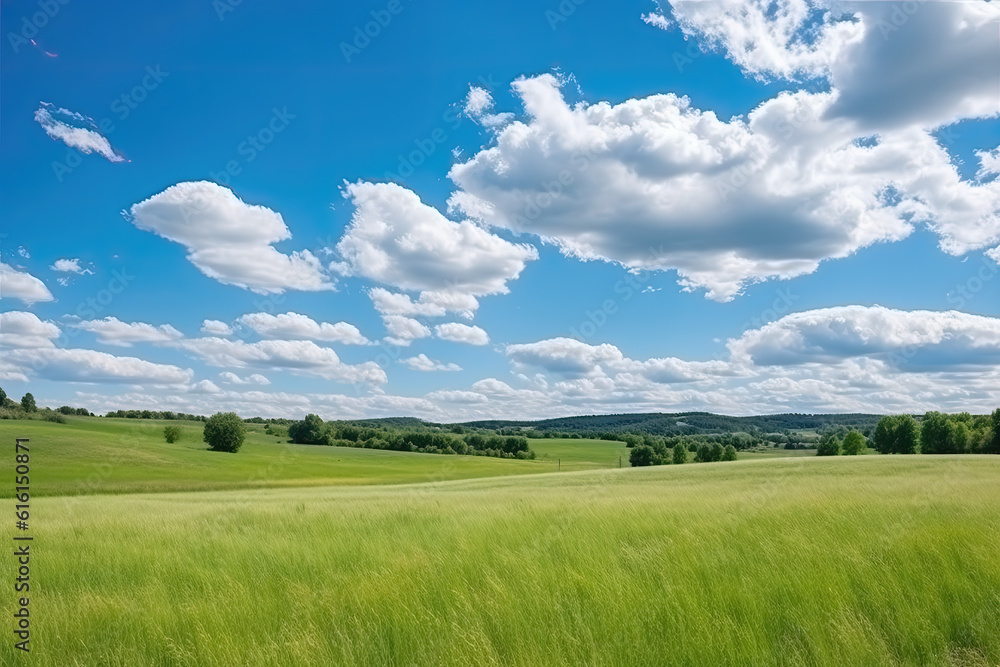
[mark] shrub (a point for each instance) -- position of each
(642, 455)
(171, 433)
(729, 453)
(225, 432)
(854, 444)
(828, 447)
(309, 431)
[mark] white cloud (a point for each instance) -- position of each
(907, 340)
(79, 365)
(75, 130)
(429, 304)
(462, 333)
(70, 266)
(403, 330)
(216, 328)
(895, 64)
(301, 357)
(21, 329)
(233, 378)
(422, 362)
(293, 326)
(852, 359)
(397, 240)
(570, 359)
(655, 184)
(478, 107)
(206, 387)
(113, 331)
(229, 240)
(15, 284)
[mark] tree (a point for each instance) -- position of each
(309, 431)
(854, 444)
(715, 453)
(225, 432)
(681, 452)
(704, 454)
(934, 434)
(897, 434)
(28, 403)
(992, 445)
(642, 455)
(729, 453)
(171, 433)
(828, 447)
(3, 397)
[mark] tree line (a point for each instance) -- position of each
(314, 431)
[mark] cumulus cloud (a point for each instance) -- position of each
(462, 333)
(429, 304)
(75, 130)
(21, 329)
(216, 328)
(856, 359)
(656, 184)
(403, 330)
(233, 378)
(301, 357)
(422, 362)
(70, 266)
(570, 359)
(293, 326)
(924, 63)
(229, 240)
(397, 240)
(79, 365)
(15, 284)
(907, 340)
(113, 331)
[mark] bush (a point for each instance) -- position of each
(854, 444)
(171, 433)
(828, 447)
(309, 431)
(225, 432)
(729, 453)
(642, 455)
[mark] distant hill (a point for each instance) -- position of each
(658, 423)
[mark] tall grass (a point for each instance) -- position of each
(859, 561)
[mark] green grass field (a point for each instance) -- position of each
(871, 560)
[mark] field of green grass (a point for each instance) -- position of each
(91, 455)
(580, 454)
(363, 557)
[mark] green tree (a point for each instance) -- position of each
(729, 453)
(225, 432)
(681, 452)
(898, 434)
(992, 444)
(3, 397)
(854, 444)
(28, 403)
(828, 447)
(934, 434)
(642, 455)
(171, 433)
(309, 431)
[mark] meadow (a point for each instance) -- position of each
(875, 560)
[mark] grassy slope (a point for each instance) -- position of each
(90, 455)
(866, 560)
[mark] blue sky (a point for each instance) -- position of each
(765, 207)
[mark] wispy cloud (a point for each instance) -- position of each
(76, 131)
